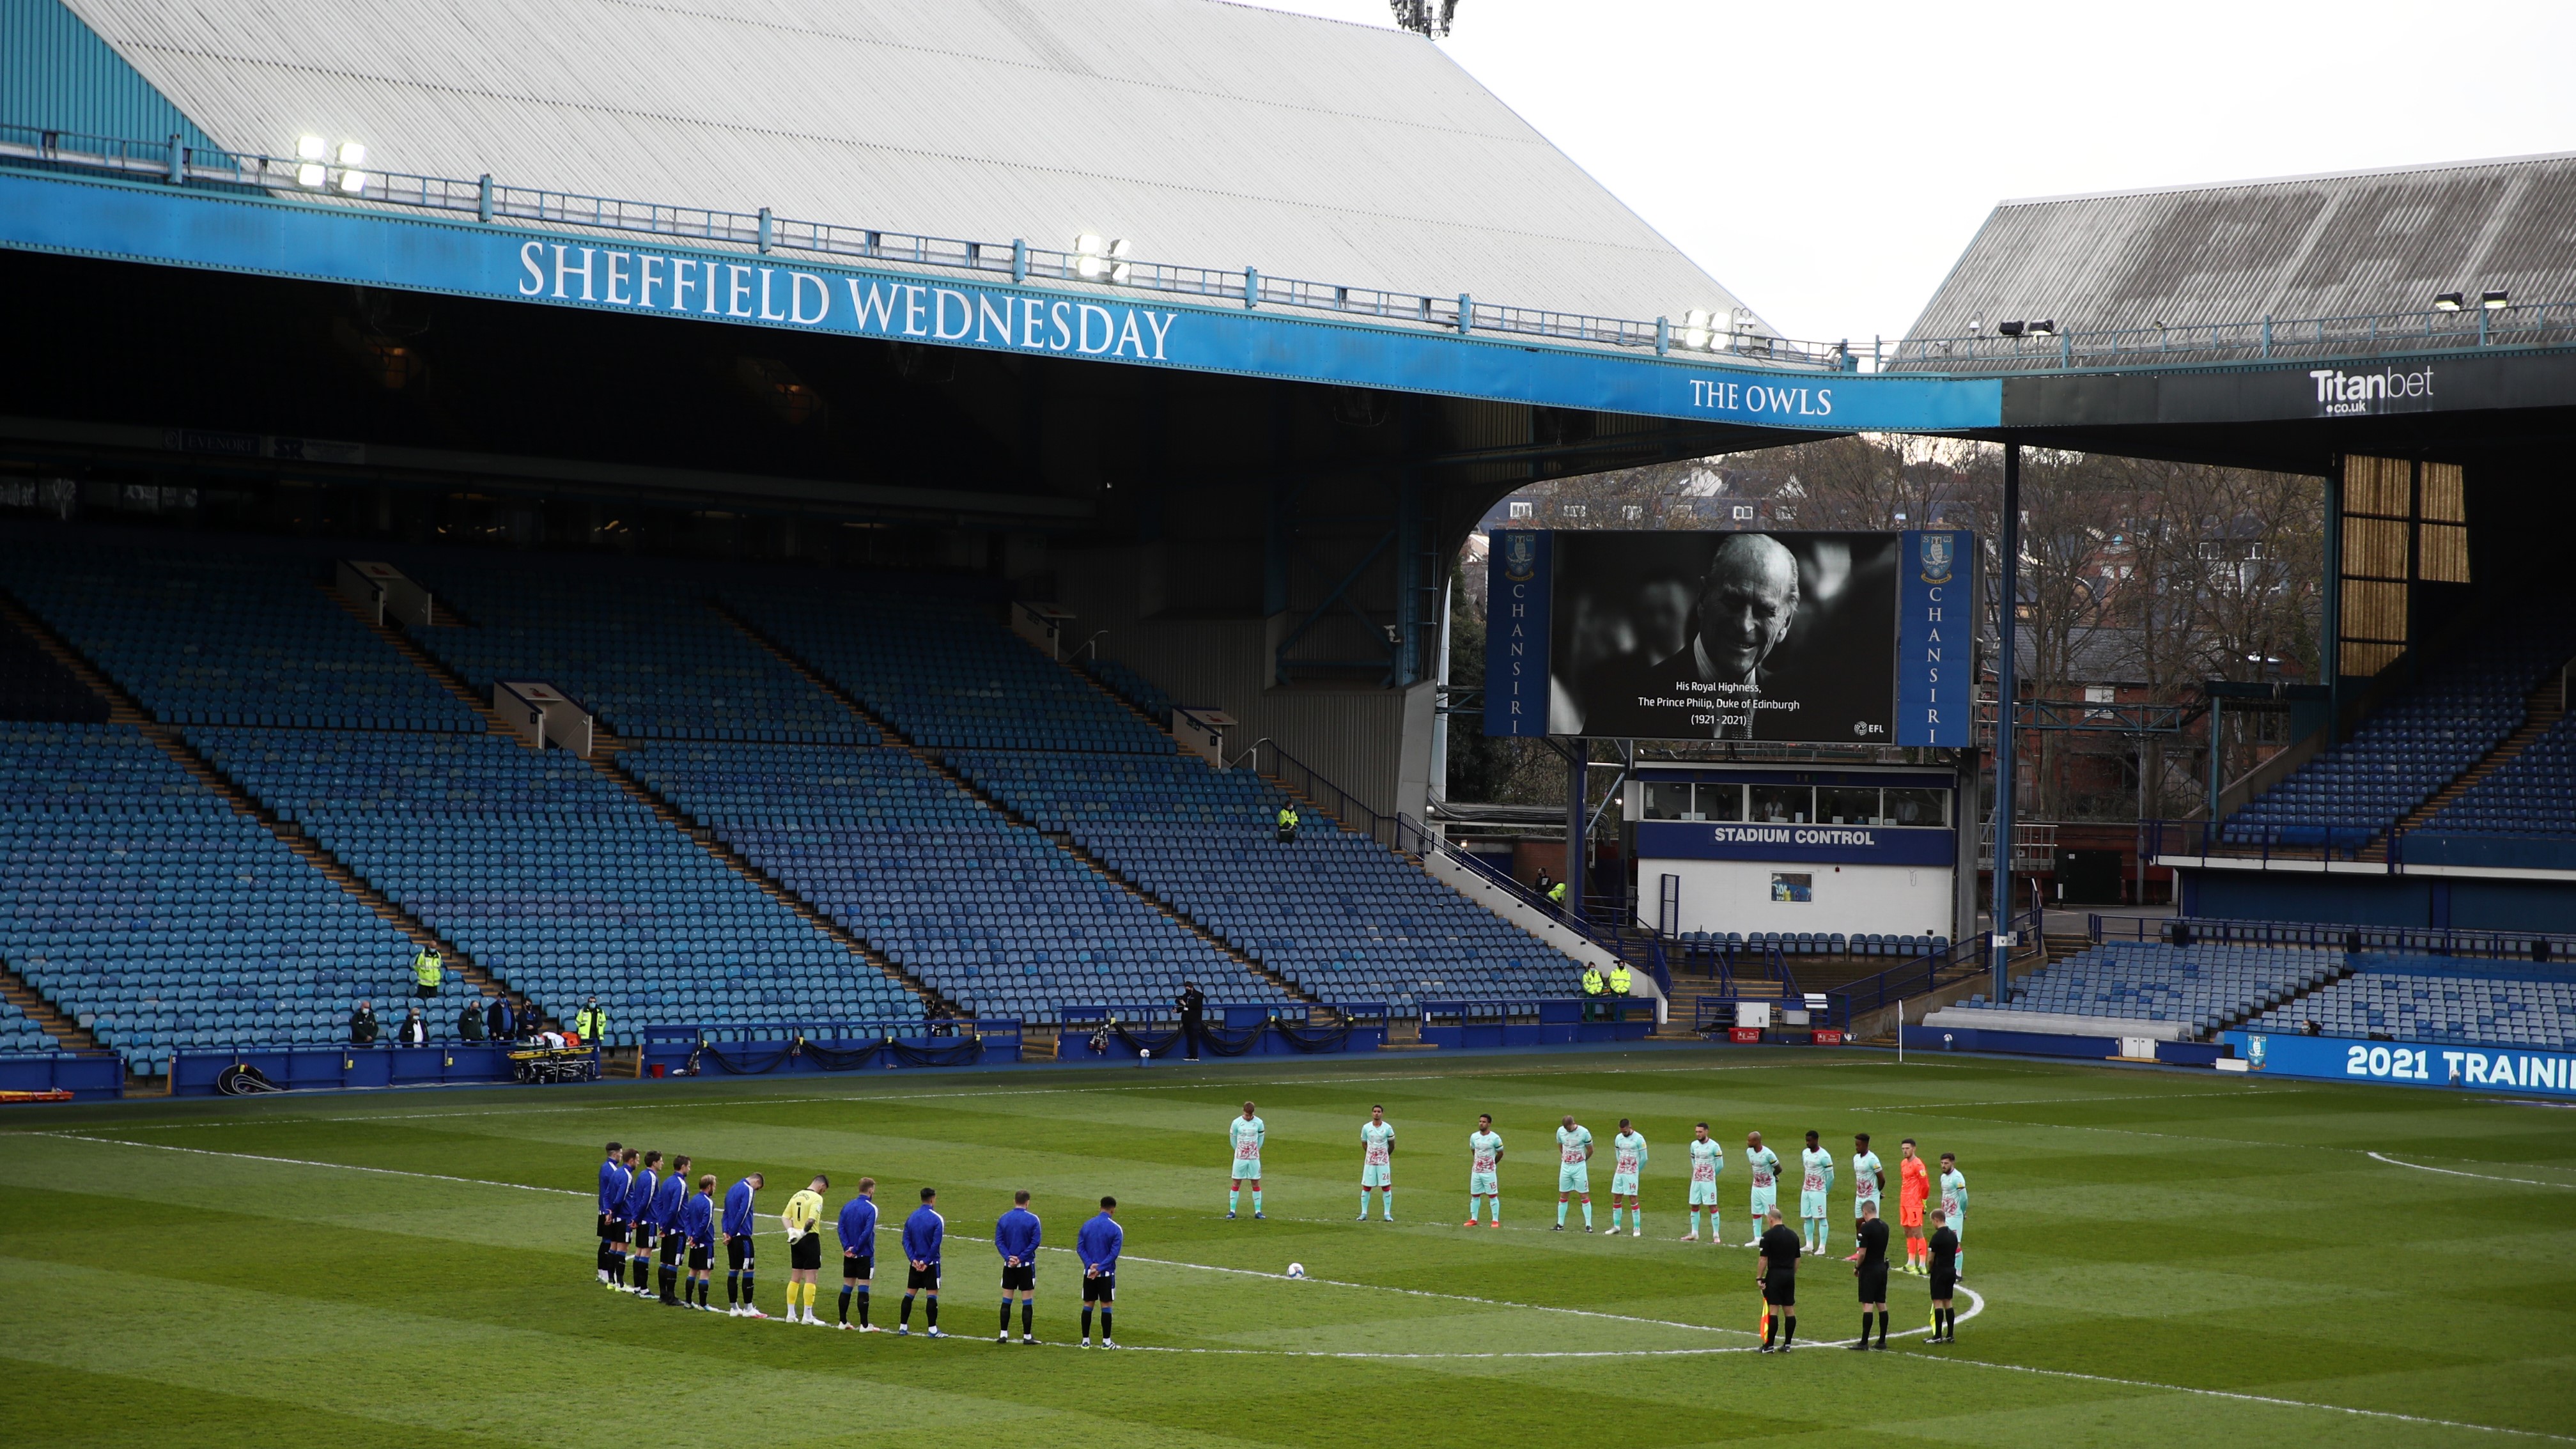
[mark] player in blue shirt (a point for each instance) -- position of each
(698, 1227)
(639, 1222)
(1016, 1235)
(923, 1232)
(736, 1231)
(666, 1225)
(858, 1230)
(1098, 1245)
(612, 1198)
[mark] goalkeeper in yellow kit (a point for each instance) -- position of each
(803, 1217)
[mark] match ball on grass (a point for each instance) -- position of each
(1296, 1270)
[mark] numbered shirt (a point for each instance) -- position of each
(1816, 1168)
(1484, 1150)
(1247, 1133)
(1765, 1164)
(1377, 1143)
(1954, 1194)
(1865, 1172)
(1708, 1159)
(1627, 1153)
(1574, 1145)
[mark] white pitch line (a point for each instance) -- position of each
(307, 1162)
(2481, 1176)
(2249, 1398)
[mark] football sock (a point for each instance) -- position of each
(1498, 1209)
(1386, 1201)
(746, 1287)
(1882, 1327)
(904, 1318)
(704, 1285)
(1028, 1315)
(1560, 1212)
(1256, 1199)
(1824, 1234)
(1104, 1322)
(1615, 1211)
(1637, 1219)
(845, 1303)
(1363, 1202)
(1865, 1317)
(1086, 1323)
(733, 1288)
(930, 1313)
(1233, 1199)
(863, 1305)
(1006, 1315)
(1587, 1212)
(1789, 1334)
(670, 1283)
(1694, 1222)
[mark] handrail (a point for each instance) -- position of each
(2482, 943)
(2262, 339)
(1963, 960)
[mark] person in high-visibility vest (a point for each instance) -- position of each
(1592, 989)
(428, 972)
(1287, 822)
(1619, 979)
(592, 1022)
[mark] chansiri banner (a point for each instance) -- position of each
(1518, 584)
(1846, 637)
(2410, 1063)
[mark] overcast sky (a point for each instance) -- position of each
(1828, 162)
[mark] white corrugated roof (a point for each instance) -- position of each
(1208, 134)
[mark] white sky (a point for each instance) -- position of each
(1829, 162)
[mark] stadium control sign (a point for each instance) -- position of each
(312, 240)
(1814, 637)
(2406, 1063)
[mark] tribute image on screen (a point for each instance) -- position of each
(1724, 636)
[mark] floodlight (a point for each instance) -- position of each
(1096, 259)
(2008, 329)
(2493, 300)
(353, 153)
(2044, 327)
(2447, 302)
(311, 173)
(353, 182)
(1694, 334)
(1088, 244)
(311, 148)
(1118, 252)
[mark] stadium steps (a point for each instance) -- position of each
(2061, 944)
(2540, 711)
(885, 732)
(68, 1034)
(2343, 972)
(121, 707)
(428, 663)
(741, 865)
(1105, 692)
(338, 871)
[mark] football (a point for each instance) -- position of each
(1296, 1270)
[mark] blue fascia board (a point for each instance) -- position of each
(289, 237)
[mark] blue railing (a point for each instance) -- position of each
(753, 1048)
(2536, 324)
(2558, 946)
(1534, 1021)
(2236, 839)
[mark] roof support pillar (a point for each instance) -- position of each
(2007, 599)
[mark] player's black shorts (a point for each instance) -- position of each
(702, 1257)
(1100, 1289)
(1943, 1284)
(1873, 1283)
(738, 1252)
(915, 1279)
(1024, 1278)
(607, 1228)
(1781, 1290)
(858, 1265)
(617, 1230)
(671, 1242)
(806, 1253)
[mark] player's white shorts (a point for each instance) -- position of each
(1484, 1184)
(1765, 1199)
(1812, 1205)
(1246, 1167)
(1703, 1194)
(1866, 1202)
(1377, 1174)
(1623, 1184)
(1575, 1177)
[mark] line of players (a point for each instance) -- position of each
(645, 1211)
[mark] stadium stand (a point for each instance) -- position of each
(1333, 912)
(553, 878)
(19, 1035)
(2204, 987)
(261, 643)
(635, 645)
(989, 913)
(35, 687)
(2532, 794)
(1132, 687)
(137, 902)
(2411, 747)
(2432, 998)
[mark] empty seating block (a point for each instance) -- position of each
(1337, 914)
(554, 879)
(137, 902)
(2437, 999)
(987, 912)
(635, 645)
(199, 637)
(2532, 794)
(2205, 987)
(1130, 686)
(944, 674)
(20, 1036)
(34, 687)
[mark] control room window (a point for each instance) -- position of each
(1668, 800)
(1918, 807)
(1846, 805)
(1784, 804)
(1721, 802)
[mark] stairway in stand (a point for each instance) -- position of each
(68, 1035)
(2540, 711)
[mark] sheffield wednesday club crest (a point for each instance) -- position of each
(1934, 552)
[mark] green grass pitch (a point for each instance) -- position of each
(2160, 1258)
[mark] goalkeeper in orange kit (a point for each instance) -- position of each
(1914, 1188)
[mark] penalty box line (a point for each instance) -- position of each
(2480, 1176)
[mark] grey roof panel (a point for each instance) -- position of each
(1208, 134)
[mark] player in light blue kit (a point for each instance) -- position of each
(1954, 1209)
(1484, 1163)
(1815, 1182)
(1707, 1160)
(1377, 1162)
(1627, 1160)
(1573, 1172)
(1765, 1164)
(1869, 1182)
(1247, 1134)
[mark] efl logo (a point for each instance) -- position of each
(2348, 394)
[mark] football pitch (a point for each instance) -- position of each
(2156, 1258)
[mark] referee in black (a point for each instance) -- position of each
(1871, 1270)
(1945, 1280)
(1778, 1277)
